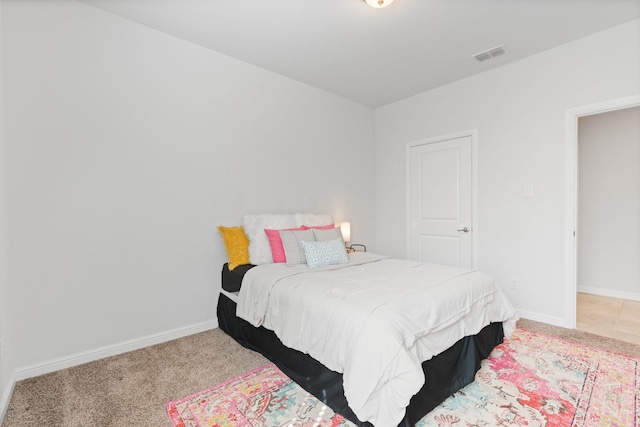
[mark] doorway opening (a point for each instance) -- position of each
(608, 238)
(573, 118)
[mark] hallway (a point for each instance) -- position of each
(610, 317)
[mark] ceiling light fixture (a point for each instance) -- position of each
(379, 3)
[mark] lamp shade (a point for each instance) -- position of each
(345, 229)
(379, 3)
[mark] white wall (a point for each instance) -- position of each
(519, 113)
(7, 368)
(126, 148)
(609, 204)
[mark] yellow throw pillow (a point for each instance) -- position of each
(237, 244)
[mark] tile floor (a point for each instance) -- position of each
(610, 317)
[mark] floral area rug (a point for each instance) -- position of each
(264, 397)
(530, 380)
(537, 380)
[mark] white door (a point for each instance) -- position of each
(441, 201)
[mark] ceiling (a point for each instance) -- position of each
(375, 56)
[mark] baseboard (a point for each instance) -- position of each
(5, 397)
(633, 296)
(555, 321)
(112, 350)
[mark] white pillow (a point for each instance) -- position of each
(330, 252)
(292, 243)
(312, 219)
(254, 225)
(329, 234)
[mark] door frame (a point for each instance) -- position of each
(473, 134)
(571, 194)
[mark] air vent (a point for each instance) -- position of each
(483, 56)
(489, 53)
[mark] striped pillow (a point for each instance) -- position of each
(275, 241)
(291, 241)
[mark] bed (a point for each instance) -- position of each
(381, 341)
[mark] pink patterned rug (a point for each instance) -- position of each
(264, 397)
(530, 380)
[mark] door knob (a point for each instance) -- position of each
(466, 230)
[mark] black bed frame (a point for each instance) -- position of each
(445, 373)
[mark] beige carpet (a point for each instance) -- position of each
(132, 389)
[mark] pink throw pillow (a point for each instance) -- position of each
(319, 227)
(275, 241)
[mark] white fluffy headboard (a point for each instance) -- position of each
(254, 226)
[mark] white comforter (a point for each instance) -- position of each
(375, 320)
